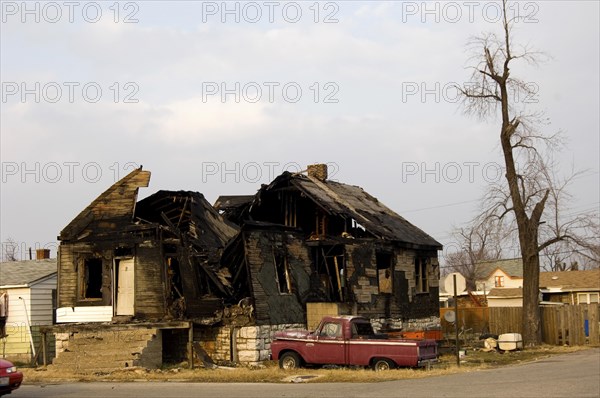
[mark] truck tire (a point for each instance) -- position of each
(381, 364)
(289, 360)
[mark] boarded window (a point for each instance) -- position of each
(384, 272)
(90, 278)
(421, 282)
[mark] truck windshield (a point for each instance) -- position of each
(361, 329)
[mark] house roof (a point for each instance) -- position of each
(26, 273)
(188, 212)
(512, 267)
(350, 201)
(227, 202)
(571, 280)
(113, 208)
(505, 293)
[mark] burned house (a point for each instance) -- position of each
(148, 279)
(126, 266)
(307, 243)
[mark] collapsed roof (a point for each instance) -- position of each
(352, 202)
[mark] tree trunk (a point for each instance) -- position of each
(532, 331)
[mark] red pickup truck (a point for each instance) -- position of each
(349, 340)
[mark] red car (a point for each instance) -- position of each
(10, 377)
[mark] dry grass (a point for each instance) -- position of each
(271, 373)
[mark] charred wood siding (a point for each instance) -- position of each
(67, 277)
(149, 282)
(404, 302)
(112, 209)
(425, 304)
(272, 306)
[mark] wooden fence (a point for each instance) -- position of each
(567, 324)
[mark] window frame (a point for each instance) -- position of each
(83, 277)
(421, 267)
(280, 261)
(499, 281)
(588, 297)
(385, 274)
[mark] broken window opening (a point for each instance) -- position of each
(384, 271)
(90, 279)
(174, 345)
(123, 252)
(283, 272)
(356, 225)
(329, 264)
(421, 282)
(174, 275)
(290, 213)
(321, 224)
(355, 229)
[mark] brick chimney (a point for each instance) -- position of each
(41, 254)
(318, 171)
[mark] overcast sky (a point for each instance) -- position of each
(221, 97)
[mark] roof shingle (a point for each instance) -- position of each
(25, 273)
(568, 280)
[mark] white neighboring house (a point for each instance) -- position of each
(500, 282)
(500, 274)
(27, 288)
(505, 297)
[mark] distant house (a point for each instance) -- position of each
(564, 287)
(571, 287)
(505, 297)
(499, 274)
(499, 283)
(27, 290)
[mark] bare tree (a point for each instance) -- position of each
(478, 242)
(10, 249)
(579, 248)
(530, 185)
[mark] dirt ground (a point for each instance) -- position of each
(473, 360)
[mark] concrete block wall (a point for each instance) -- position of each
(253, 343)
(108, 349)
(410, 324)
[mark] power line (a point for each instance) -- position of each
(440, 206)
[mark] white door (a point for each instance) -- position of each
(125, 289)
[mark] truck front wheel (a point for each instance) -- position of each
(381, 364)
(289, 360)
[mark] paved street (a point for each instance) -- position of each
(570, 375)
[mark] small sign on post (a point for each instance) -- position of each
(456, 322)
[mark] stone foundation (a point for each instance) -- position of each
(108, 349)
(411, 324)
(253, 343)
